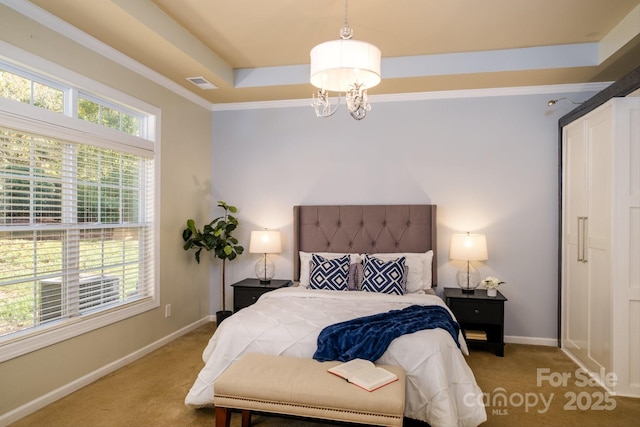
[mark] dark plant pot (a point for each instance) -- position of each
(221, 315)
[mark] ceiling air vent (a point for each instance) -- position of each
(202, 83)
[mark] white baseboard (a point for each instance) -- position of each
(46, 399)
(549, 342)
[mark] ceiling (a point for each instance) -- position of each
(258, 50)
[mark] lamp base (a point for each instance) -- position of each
(468, 278)
(265, 270)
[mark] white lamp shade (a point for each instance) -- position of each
(336, 65)
(468, 247)
(265, 242)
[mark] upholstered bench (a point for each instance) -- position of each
(303, 387)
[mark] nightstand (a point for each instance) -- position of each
(247, 291)
(478, 312)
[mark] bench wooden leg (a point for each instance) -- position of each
(246, 418)
(223, 417)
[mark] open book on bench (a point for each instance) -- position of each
(364, 374)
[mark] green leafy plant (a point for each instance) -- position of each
(216, 237)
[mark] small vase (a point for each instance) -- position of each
(493, 292)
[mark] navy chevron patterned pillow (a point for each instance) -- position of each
(384, 276)
(331, 274)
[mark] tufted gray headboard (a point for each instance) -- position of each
(364, 229)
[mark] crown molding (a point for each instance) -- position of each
(67, 30)
(422, 96)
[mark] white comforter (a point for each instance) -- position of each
(440, 387)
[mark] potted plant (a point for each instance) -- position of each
(491, 285)
(215, 236)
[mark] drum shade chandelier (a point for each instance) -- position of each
(345, 66)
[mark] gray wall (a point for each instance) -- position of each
(489, 163)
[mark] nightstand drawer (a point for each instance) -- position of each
(477, 311)
(244, 297)
(248, 291)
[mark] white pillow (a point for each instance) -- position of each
(305, 259)
(419, 264)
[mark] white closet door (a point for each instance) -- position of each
(599, 133)
(626, 248)
(575, 272)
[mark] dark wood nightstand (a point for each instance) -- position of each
(247, 291)
(479, 312)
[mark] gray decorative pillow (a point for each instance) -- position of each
(355, 276)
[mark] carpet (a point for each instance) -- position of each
(524, 388)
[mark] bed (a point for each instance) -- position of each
(440, 388)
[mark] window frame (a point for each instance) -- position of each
(67, 127)
(67, 92)
(77, 95)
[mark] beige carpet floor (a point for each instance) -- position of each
(150, 392)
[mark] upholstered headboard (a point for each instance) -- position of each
(364, 229)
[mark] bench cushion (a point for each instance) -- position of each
(303, 387)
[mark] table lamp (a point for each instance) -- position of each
(468, 247)
(265, 242)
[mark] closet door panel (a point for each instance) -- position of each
(600, 325)
(576, 330)
(626, 255)
(576, 308)
(599, 132)
(575, 183)
(600, 177)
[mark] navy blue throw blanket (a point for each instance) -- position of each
(368, 337)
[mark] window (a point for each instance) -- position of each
(24, 89)
(110, 116)
(77, 211)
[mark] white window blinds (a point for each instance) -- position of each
(76, 231)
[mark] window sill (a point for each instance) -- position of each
(32, 340)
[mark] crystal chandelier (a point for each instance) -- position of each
(347, 67)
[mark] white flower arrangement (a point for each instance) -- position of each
(491, 282)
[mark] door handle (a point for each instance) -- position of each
(585, 245)
(579, 245)
(582, 239)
